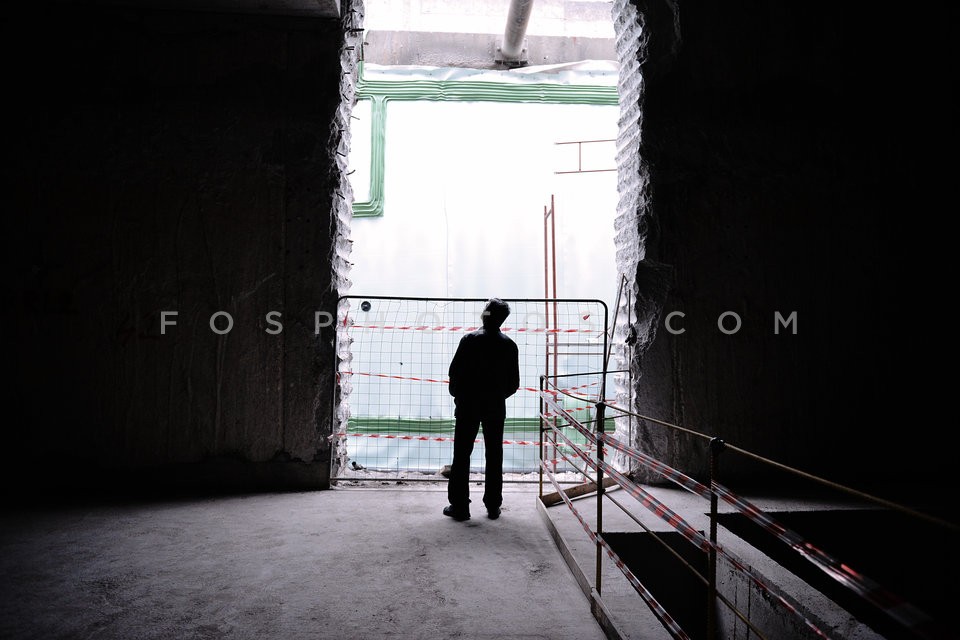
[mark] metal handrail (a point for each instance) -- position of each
(803, 474)
(904, 613)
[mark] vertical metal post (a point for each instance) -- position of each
(546, 295)
(601, 411)
(553, 256)
(600, 418)
(608, 351)
(716, 446)
(550, 277)
(540, 466)
(630, 389)
(546, 272)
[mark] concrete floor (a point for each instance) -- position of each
(346, 563)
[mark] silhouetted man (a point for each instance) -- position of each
(484, 372)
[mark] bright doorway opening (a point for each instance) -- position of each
(474, 183)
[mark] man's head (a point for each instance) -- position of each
(494, 313)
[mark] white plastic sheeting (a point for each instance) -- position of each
(465, 188)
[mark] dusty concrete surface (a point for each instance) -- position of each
(345, 563)
(193, 172)
(781, 186)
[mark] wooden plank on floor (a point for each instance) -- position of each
(550, 499)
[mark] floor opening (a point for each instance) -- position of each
(664, 574)
(904, 558)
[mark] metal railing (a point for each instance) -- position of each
(602, 477)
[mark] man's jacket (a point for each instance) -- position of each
(486, 367)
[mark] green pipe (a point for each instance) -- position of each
(381, 91)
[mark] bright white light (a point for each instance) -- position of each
(465, 188)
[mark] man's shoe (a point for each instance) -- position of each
(456, 514)
(494, 513)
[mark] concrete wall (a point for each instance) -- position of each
(168, 161)
(787, 158)
(469, 34)
(789, 161)
(477, 51)
(775, 620)
(563, 18)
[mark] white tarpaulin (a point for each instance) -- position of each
(465, 185)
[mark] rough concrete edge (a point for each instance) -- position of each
(602, 614)
(351, 54)
(809, 602)
(597, 606)
(635, 225)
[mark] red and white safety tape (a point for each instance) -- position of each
(900, 610)
(682, 526)
(396, 436)
(392, 327)
(665, 618)
(664, 470)
(443, 381)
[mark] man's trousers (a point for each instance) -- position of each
(469, 417)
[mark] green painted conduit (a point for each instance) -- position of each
(381, 91)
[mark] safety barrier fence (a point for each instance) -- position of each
(557, 427)
(394, 417)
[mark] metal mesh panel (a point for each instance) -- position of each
(394, 414)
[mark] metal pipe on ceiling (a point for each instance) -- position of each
(517, 19)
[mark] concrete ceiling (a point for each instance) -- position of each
(313, 8)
